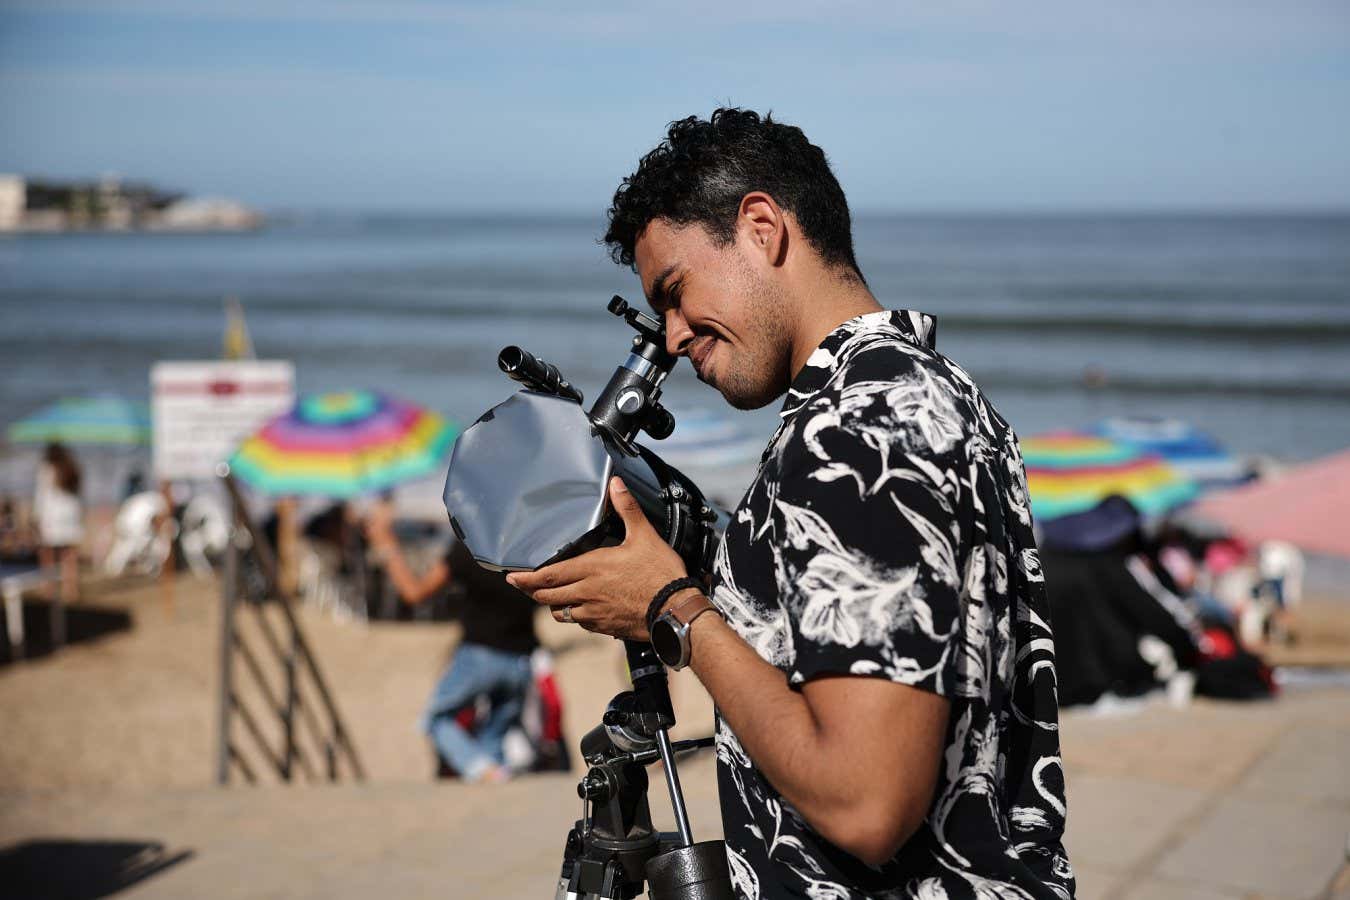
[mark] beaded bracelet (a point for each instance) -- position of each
(679, 584)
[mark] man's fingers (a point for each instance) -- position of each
(566, 614)
(556, 597)
(626, 505)
(573, 614)
(565, 572)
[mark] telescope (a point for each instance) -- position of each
(528, 481)
(528, 487)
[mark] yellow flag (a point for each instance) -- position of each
(238, 344)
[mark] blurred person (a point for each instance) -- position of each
(492, 661)
(60, 517)
(1124, 625)
(1228, 575)
(876, 635)
(1180, 556)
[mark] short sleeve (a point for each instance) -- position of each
(868, 507)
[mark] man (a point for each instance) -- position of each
(492, 659)
(882, 664)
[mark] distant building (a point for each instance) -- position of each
(111, 204)
(13, 201)
(207, 214)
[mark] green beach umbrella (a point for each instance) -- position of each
(89, 421)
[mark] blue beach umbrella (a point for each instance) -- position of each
(1185, 448)
(89, 421)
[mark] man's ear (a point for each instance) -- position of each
(763, 225)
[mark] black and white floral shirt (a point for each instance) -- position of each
(888, 535)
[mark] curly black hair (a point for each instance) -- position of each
(702, 170)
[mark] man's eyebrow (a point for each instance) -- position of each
(657, 297)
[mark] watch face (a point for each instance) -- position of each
(666, 642)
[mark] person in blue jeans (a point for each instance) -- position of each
(492, 660)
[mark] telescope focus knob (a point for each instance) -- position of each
(659, 423)
(598, 785)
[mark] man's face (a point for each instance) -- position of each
(720, 310)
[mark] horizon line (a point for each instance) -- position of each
(1330, 210)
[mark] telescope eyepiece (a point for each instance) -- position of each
(511, 359)
(520, 365)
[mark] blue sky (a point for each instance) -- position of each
(545, 106)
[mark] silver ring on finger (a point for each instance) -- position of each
(567, 615)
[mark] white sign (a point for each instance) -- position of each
(202, 411)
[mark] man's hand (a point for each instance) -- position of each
(608, 589)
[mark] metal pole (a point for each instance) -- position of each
(229, 592)
(673, 786)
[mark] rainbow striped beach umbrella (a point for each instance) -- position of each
(101, 421)
(344, 444)
(1069, 472)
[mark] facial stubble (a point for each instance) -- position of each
(759, 372)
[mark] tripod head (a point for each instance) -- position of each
(613, 849)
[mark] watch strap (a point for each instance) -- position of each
(680, 620)
(687, 611)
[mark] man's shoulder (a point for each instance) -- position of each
(890, 391)
(885, 357)
(893, 371)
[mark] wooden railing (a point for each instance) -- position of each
(291, 716)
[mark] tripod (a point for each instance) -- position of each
(613, 849)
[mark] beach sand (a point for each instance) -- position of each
(106, 775)
(138, 708)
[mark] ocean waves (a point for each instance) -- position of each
(1238, 324)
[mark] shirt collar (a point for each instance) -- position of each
(839, 346)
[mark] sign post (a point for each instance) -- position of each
(201, 412)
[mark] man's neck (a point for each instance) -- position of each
(825, 305)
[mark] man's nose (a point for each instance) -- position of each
(678, 333)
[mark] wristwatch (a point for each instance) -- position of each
(670, 631)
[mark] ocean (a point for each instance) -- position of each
(1239, 325)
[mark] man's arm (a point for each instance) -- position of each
(857, 757)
